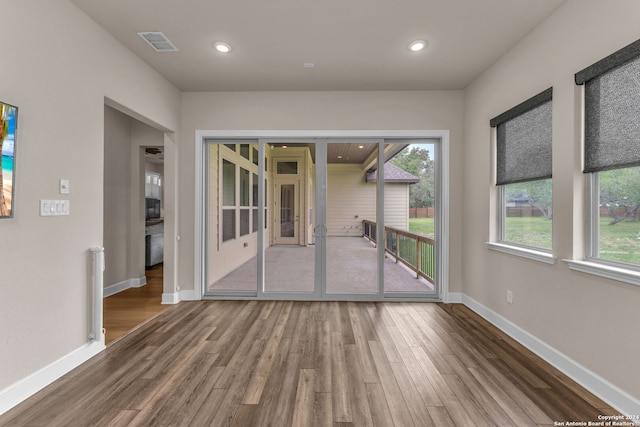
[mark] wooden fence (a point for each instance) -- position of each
(421, 212)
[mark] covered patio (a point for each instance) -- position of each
(351, 269)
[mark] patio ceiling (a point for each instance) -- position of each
(359, 152)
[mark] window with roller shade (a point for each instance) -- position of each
(612, 157)
(523, 173)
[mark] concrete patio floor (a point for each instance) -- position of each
(351, 269)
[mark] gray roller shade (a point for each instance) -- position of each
(524, 140)
(612, 111)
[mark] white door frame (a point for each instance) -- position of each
(264, 136)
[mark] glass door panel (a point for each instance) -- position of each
(289, 256)
(232, 238)
(351, 258)
(409, 219)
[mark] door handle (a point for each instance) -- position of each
(320, 230)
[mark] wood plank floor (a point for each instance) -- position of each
(250, 363)
(130, 308)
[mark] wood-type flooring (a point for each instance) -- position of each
(285, 363)
(126, 310)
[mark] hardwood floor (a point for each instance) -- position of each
(128, 309)
(250, 363)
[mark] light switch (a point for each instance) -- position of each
(54, 207)
(64, 186)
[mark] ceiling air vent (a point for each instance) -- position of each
(158, 41)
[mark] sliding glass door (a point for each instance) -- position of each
(313, 219)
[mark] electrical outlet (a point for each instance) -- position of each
(510, 297)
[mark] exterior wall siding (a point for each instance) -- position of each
(350, 200)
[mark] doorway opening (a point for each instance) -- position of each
(133, 236)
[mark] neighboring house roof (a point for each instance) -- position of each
(393, 173)
(520, 197)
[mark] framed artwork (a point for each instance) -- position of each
(8, 125)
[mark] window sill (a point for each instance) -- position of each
(606, 271)
(531, 254)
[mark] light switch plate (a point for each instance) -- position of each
(54, 207)
(64, 186)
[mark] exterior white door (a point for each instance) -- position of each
(287, 218)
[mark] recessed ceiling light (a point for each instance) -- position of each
(417, 46)
(339, 157)
(222, 47)
(360, 146)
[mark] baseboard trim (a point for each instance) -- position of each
(124, 285)
(172, 298)
(138, 283)
(608, 392)
(25, 388)
(454, 297)
(188, 295)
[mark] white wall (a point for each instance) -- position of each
(589, 319)
(391, 110)
(59, 67)
(117, 196)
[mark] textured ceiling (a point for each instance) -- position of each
(354, 44)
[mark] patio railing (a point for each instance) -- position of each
(413, 250)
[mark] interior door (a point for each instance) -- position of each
(287, 213)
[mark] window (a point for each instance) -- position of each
(254, 196)
(228, 200)
(244, 201)
(244, 187)
(612, 158)
(239, 192)
(523, 148)
(255, 156)
(287, 168)
(244, 151)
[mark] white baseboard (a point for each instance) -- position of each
(138, 283)
(172, 298)
(124, 285)
(23, 389)
(613, 395)
(176, 297)
(188, 295)
(454, 297)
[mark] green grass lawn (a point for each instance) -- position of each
(618, 242)
(422, 226)
(529, 231)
